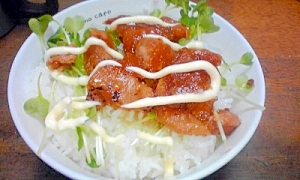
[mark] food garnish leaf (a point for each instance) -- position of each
(243, 83)
(79, 64)
(73, 25)
(247, 59)
(198, 18)
(93, 163)
(38, 105)
(151, 115)
(156, 13)
(80, 138)
(57, 39)
(114, 36)
(223, 81)
(184, 4)
(92, 112)
(39, 27)
(86, 35)
(79, 90)
(241, 80)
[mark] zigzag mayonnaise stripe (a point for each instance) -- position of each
(179, 98)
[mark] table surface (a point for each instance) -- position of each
(272, 27)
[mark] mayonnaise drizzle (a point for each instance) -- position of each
(83, 105)
(161, 100)
(82, 80)
(71, 123)
(179, 98)
(53, 122)
(169, 168)
(105, 63)
(140, 19)
(52, 117)
(175, 46)
(101, 132)
(79, 50)
(178, 68)
(156, 139)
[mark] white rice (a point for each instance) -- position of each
(126, 161)
(129, 157)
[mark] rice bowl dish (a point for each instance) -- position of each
(127, 157)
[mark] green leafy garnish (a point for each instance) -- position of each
(80, 138)
(156, 13)
(246, 59)
(38, 105)
(58, 39)
(79, 64)
(197, 17)
(151, 115)
(199, 20)
(80, 130)
(244, 83)
(184, 4)
(114, 36)
(223, 81)
(93, 163)
(86, 35)
(77, 68)
(73, 25)
(204, 17)
(183, 41)
(92, 112)
(79, 90)
(39, 27)
(64, 36)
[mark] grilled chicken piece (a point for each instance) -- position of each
(96, 54)
(132, 33)
(183, 122)
(61, 62)
(115, 86)
(154, 54)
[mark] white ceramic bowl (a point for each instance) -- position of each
(228, 42)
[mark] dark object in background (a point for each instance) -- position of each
(13, 12)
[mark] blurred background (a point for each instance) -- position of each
(14, 12)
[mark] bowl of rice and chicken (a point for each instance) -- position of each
(160, 90)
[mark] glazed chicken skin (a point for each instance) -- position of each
(185, 123)
(191, 118)
(154, 54)
(131, 34)
(96, 54)
(116, 86)
(61, 62)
